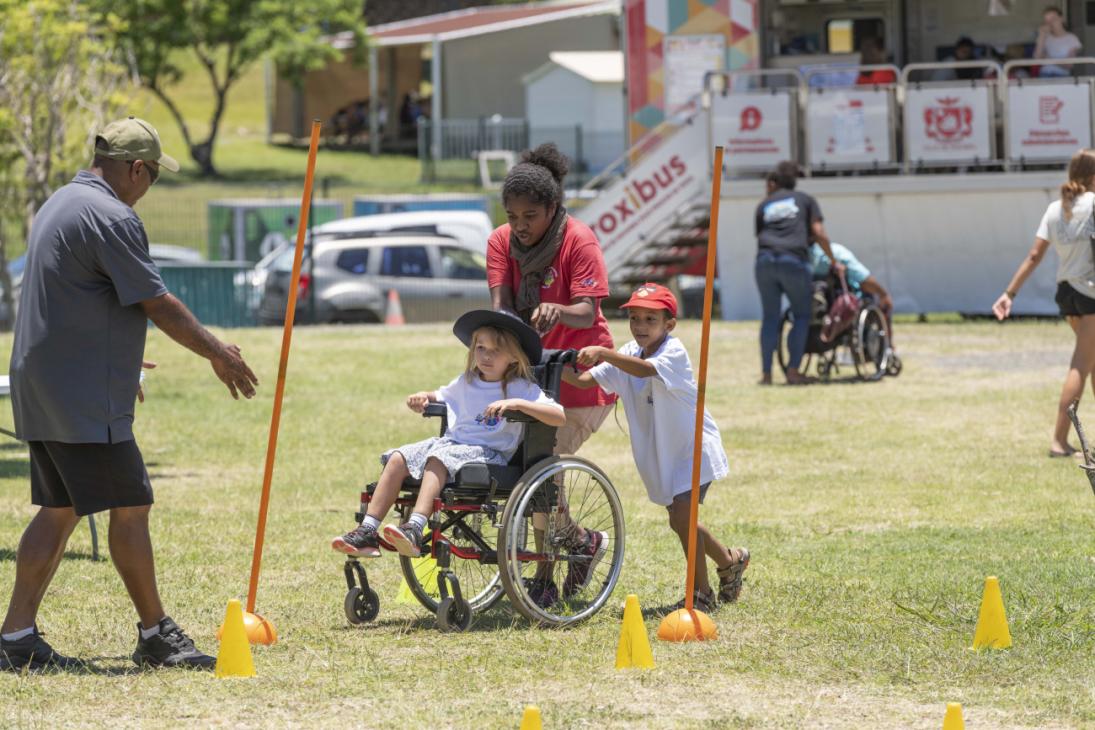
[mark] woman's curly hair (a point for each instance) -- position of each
(538, 176)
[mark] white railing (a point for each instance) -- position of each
(1046, 119)
(951, 121)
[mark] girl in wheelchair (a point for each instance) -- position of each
(498, 378)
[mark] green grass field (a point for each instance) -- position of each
(874, 513)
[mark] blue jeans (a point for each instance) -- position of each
(781, 274)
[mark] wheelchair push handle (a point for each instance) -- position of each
(435, 409)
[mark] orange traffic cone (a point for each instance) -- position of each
(394, 315)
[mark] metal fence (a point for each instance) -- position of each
(217, 292)
(452, 156)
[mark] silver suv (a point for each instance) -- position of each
(437, 279)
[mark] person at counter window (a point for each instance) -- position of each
(872, 52)
(1055, 42)
(964, 50)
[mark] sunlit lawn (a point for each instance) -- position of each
(874, 513)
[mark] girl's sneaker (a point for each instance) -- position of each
(542, 591)
(360, 542)
(580, 571)
(730, 577)
(406, 539)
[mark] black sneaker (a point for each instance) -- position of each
(170, 648)
(360, 542)
(33, 653)
(406, 539)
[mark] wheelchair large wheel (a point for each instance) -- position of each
(533, 559)
(870, 344)
(783, 352)
(479, 582)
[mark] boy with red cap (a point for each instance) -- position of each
(652, 376)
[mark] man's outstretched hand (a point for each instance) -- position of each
(233, 372)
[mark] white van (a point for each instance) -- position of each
(470, 227)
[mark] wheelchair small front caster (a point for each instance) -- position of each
(361, 606)
(453, 614)
(894, 367)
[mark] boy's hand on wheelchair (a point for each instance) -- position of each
(417, 402)
(590, 356)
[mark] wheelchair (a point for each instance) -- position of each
(496, 529)
(864, 345)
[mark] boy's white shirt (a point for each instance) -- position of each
(467, 401)
(661, 414)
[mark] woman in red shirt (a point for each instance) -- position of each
(547, 267)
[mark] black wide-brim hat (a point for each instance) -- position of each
(526, 336)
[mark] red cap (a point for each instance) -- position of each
(653, 296)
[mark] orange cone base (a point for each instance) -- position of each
(259, 630)
(685, 625)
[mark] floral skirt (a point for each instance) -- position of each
(450, 453)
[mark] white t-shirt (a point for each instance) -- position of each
(661, 414)
(1071, 240)
(467, 401)
(1061, 46)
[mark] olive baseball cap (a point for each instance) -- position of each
(134, 139)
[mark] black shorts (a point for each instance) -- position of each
(687, 496)
(1071, 302)
(88, 477)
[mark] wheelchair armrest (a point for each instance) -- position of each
(518, 417)
(435, 409)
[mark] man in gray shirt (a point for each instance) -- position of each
(88, 292)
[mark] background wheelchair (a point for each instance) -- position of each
(864, 345)
(495, 527)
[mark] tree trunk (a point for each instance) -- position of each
(202, 153)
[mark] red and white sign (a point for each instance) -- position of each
(754, 129)
(660, 185)
(948, 125)
(1048, 121)
(849, 126)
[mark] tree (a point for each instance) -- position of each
(59, 82)
(227, 36)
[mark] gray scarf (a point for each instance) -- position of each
(534, 261)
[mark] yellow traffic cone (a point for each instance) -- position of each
(425, 569)
(234, 655)
(531, 719)
(953, 719)
(992, 624)
(634, 647)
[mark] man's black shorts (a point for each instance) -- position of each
(88, 477)
(1072, 303)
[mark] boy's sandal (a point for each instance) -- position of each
(730, 578)
(700, 601)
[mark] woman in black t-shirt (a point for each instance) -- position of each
(787, 222)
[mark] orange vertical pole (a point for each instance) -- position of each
(279, 392)
(701, 381)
